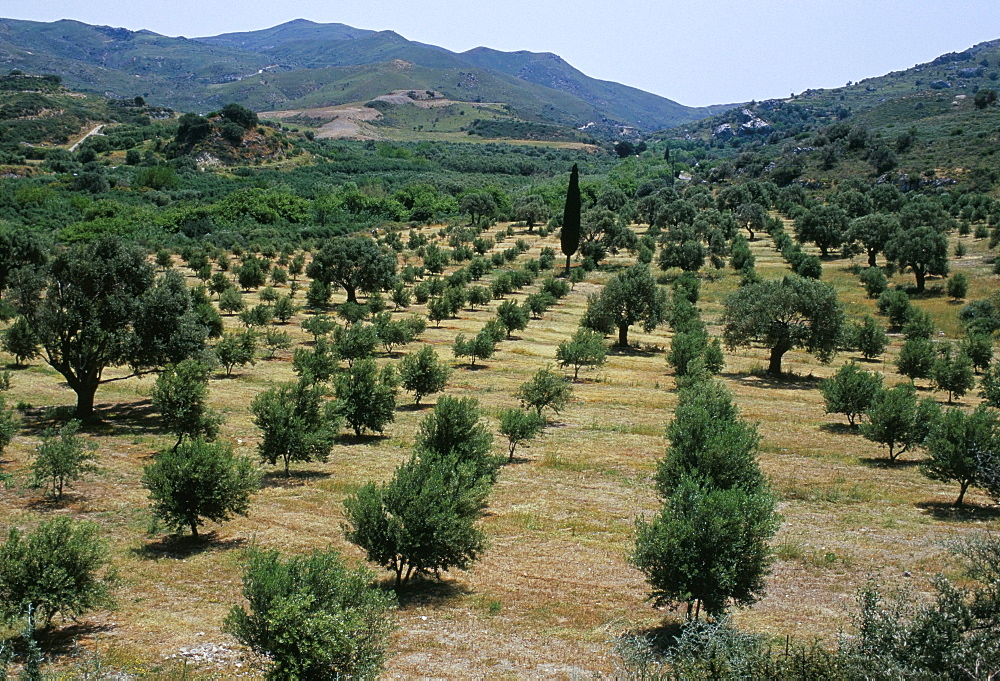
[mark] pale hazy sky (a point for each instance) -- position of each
(696, 52)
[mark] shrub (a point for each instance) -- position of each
(296, 424)
(21, 341)
(851, 391)
(895, 305)
(958, 286)
(519, 426)
(546, 389)
(918, 325)
(62, 457)
(422, 373)
(231, 301)
(916, 358)
(874, 281)
(978, 347)
(60, 567)
(200, 481)
(8, 427)
(366, 397)
(903, 636)
(312, 616)
(871, 339)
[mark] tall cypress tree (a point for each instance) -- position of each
(570, 237)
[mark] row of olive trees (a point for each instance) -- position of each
(960, 445)
(708, 545)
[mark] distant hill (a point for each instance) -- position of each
(937, 123)
(875, 100)
(37, 112)
(302, 64)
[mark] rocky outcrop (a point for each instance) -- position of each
(752, 124)
(724, 131)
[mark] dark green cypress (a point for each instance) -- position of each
(570, 236)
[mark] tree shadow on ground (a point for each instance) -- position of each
(423, 591)
(62, 641)
(364, 439)
(943, 510)
(473, 367)
(886, 462)
(633, 351)
(935, 291)
(126, 418)
(660, 637)
(785, 381)
(184, 546)
(37, 419)
(295, 478)
(840, 428)
(414, 407)
(49, 504)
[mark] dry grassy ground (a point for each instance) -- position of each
(555, 585)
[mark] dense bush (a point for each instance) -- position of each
(312, 616)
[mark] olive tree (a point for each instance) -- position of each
(630, 297)
(422, 373)
(899, 421)
(519, 426)
(61, 567)
(922, 248)
(584, 349)
(708, 546)
(179, 395)
(455, 428)
(354, 263)
(794, 312)
(312, 616)
(423, 519)
(103, 309)
(546, 389)
(295, 422)
(366, 396)
(62, 456)
(200, 481)
(957, 442)
(952, 371)
(851, 391)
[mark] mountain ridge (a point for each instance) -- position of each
(194, 73)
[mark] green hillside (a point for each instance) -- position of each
(300, 64)
(37, 113)
(299, 30)
(934, 123)
(621, 102)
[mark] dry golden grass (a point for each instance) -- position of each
(555, 585)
